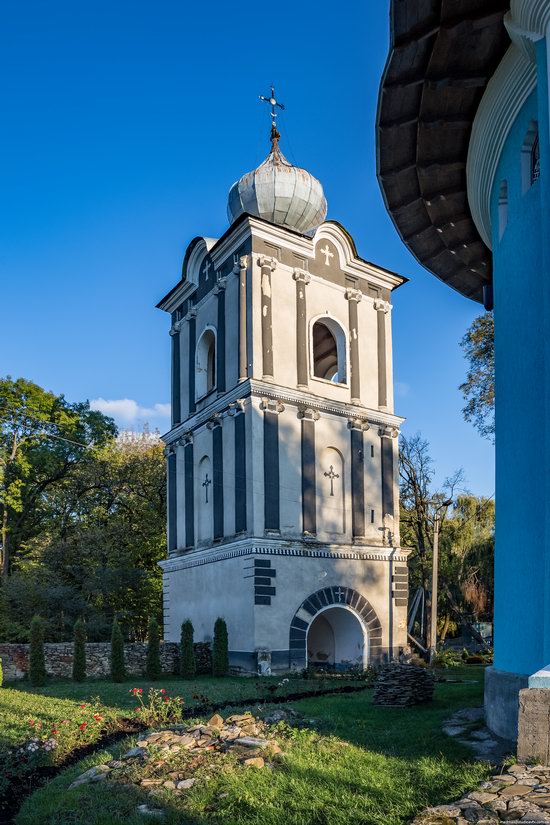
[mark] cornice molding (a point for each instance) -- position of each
(267, 547)
(506, 92)
(259, 390)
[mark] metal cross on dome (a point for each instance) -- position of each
(273, 102)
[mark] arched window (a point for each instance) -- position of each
(205, 379)
(502, 208)
(328, 345)
(530, 157)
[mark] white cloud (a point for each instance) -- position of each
(127, 411)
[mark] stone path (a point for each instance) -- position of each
(467, 726)
(519, 794)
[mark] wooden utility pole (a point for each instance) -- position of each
(435, 574)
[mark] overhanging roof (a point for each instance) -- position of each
(442, 56)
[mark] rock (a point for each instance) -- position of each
(142, 743)
(454, 730)
(216, 722)
(251, 742)
(515, 790)
(145, 810)
(150, 783)
(483, 797)
(274, 749)
(185, 784)
(254, 762)
(170, 784)
(135, 753)
(95, 774)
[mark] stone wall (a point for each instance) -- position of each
(59, 659)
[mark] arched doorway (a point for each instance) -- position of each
(361, 618)
(336, 639)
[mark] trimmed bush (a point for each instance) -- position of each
(1, 674)
(79, 652)
(118, 671)
(188, 666)
(153, 667)
(220, 655)
(37, 664)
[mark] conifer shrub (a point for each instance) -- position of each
(118, 671)
(153, 667)
(220, 654)
(1, 674)
(79, 652)
(37, 664)
(188, 666)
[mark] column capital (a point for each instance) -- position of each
(192, 313)
(221, 284)
(353, 295)
(309, 414)
(388, 432)
(215, 421)
(175, 328)
(357, 423)
(265, 261)
(169, 450)
(271, 405)
(236, 407)
(301, 276)
(239, 264)
(183, 440)
(381, 306)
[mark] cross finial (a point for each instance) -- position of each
(274, 103)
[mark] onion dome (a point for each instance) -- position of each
(280, 193)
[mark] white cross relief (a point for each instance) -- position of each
(328, 254)
(340, 593)
(207, 266)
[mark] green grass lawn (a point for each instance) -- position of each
(357, 764)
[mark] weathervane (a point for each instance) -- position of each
(273, 102)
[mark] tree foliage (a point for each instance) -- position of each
(118, 669)
(466, 544)
(153, 665)
(479, 388)
(188, 665)
(43, 439)
(37, 663)
(79, 652)
(92, 542)
(220, 650)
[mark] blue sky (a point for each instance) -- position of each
(125, 124)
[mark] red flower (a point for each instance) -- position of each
(167, 699)
(83, 726)
(82, 707)
(138, 710)
(162, 690)
(54, 732)
(98, 718)
(140, 690)
(31, 723)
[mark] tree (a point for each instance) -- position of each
(153, 666)
(42, 439)
(220, 654)
(37, 664)
(118, 670)
(465, 544)
(103, 534)
(79, 652)
(188, 665)
(479, 388)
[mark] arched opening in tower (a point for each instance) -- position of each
(336, 640)
(325, 353)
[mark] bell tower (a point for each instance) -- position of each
(283, 511)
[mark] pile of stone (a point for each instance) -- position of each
(241, 734)
(519, 794)
(403, 685)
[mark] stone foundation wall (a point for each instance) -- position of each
(59, 659)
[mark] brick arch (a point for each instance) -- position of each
(327, 597)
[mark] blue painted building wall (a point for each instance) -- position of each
(522, 362)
